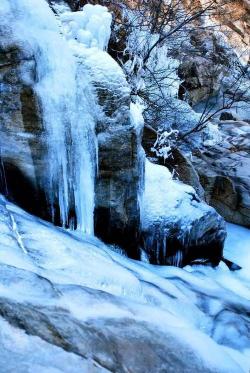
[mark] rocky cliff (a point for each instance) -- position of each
(75, 156)
(25, 141)
(22, 140)
(233, 19)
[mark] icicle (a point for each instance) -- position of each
(3, 181)
(16, 233)
(66, 113)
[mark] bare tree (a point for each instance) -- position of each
(151, 26)
(147, 38)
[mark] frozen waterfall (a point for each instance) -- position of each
(66, 101)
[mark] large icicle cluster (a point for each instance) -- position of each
(65, 95)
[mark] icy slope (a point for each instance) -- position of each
(83, 304)
(237, 248)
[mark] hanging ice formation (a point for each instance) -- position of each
(66, 102)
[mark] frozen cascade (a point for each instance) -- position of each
(65, 98)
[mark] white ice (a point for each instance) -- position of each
(207, 307)
(90, 26)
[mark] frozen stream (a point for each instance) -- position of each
(47, 273)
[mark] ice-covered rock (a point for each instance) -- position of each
(69, 303)
(178, 228)
(64, 103)
(120, 163)
(47, 138)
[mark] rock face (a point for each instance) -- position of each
(22, 141)
(224, 172)
(204, 66)
(120, 156)
(201, 77)
(210, 54)
(233, 17)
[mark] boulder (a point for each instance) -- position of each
(177, 227)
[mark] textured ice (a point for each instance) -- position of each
(91, 26)
(207, 308)
(66, 99)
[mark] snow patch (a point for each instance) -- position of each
(165, 197)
